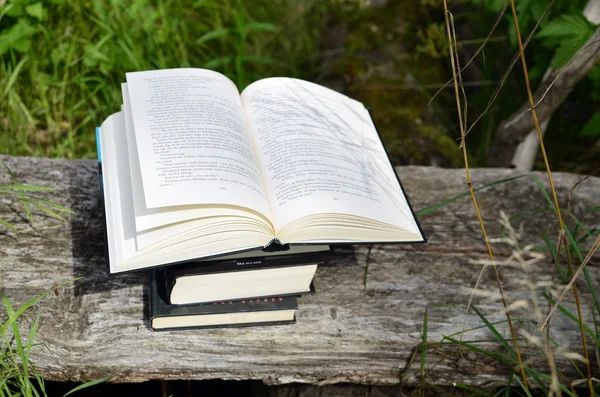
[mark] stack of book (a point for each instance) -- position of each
(227, 198)
(230, 292)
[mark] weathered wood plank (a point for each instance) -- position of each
(347, 331)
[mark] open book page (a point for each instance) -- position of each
(192, 140)
(320, 153)
(152, 218)
(120, 228)
(129, 250)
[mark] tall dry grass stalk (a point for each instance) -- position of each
(457, 77)
(554, 195)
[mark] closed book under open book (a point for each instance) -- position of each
(236, 279)
(244, 312)
(194, 169)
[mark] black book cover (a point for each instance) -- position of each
(159, 306)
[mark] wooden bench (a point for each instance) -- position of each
(362, 325)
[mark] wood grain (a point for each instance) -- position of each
(348, 331)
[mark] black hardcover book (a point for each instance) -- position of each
(200, 282)
(283, 165)
(234, 313)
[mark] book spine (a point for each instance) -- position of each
(99, 152)
(251, 300)
(275, 245)
(244, 325)
(101, 197)
(154, 299)
(257, 263)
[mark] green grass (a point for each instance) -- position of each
(18, 376)
(497, 347)
(61, 76)
(60, 72)
(25, 194)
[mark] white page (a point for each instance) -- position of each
(192, 140)
(320, 153)
(123, 251)
(117, 189)
(152, 218)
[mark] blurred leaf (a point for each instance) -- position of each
(257, 59)
(36, 10)
(240, 22)
(261, 27)
(215, 34)
(205, 3)
(537, 9)
(492, 5)
(14, 75)
(94, 57)
(14, 9)
(565, 26)
(17, 37)
(593, 77)
(523, 7)
(592, 127)
(214, 63)
(567, 49)
(567, 34)
(60, 53)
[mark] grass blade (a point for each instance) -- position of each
(8, 225)
(457, 77)
(494, 331)
(214, 63)
(16, 182)
(471, 389)
(32, 333)
(260, 27)
(12, 318)
(88, 384)
(444, 203)
(573, 317)
(572, 281)
(51, 204)
(20, 349)
(13, 76)
(424, 345)
(19, 187)
(214, 34)
(46, 210)
(520, 382)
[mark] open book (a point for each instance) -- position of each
(194, 169)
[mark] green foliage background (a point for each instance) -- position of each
(573, 134)
(61, 65)
(62, 62)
